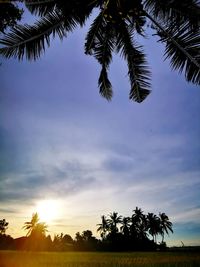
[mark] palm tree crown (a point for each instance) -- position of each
(153, 225)
(103, 226)
(113, 221)
(165, 225)
(35, 227)
(176, 23)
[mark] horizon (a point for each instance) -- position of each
(61, 141)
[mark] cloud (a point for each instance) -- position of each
(10, 211)
(67, 179)
(189, 216)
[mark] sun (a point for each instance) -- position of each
(48, 210)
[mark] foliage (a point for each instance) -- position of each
(6, 242)
(85, 241)
(3, 226)
(132, 233)
(117, 234)
(114, 30)
(10, 14)
(34, 227)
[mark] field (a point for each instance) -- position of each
(89, 259)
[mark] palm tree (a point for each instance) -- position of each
(3, 226)
(138, 215)
(35, 227)
(114, 29)
(153, 225)
(113, 221)
(165, 225)
(125, 226)
(138, 224)
(103, 227)
(30, 226)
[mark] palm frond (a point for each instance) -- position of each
(40, 7)
(30, 41)
(105, 85)
(100, 44)
(175, 13)
(80, 10)
(92, 35)
(183, 49)
(190, 42)
(138, 71)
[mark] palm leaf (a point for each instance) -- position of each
(175, 13)
(40, 7)
(30, 41)
(105, 85)
(100, 43)
(138, 72)
(183, 49)
(190, 42)
(92, 35)
(80, 10)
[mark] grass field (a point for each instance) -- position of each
(89, 259)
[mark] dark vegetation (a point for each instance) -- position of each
(114, 30)
(136, 233)
(10, 15)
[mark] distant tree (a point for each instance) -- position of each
(113, 222)
(137, 227)
(39, 230)
(30, 226)
(87, 235)
(165, 225)
(58, 242)
(103, 227)
(134, 231)
(48, 246)
(125, 226)
(79, 243)
(6, 242)
(138, 215)
(153, 225)
(34, 227)
(85, 241)
(10, 15)
(140, 221)
(67, 239)
(3, 226)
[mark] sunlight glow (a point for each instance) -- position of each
(48, 210)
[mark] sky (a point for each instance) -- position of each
(72, 156)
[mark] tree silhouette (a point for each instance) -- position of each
(10, 14)
(138, 224)
(34, 227)
(165, 225)
(3, 226)
(30, 226)
(113, 221)
(125, 226)
(153, 225)
(176, 24)
(103, 227)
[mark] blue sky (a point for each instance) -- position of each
(61, 141)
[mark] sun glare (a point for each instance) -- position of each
(48, 210)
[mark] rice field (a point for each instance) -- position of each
(99, 259)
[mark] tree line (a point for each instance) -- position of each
(117, 233)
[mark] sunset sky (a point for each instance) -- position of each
(65, 147)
